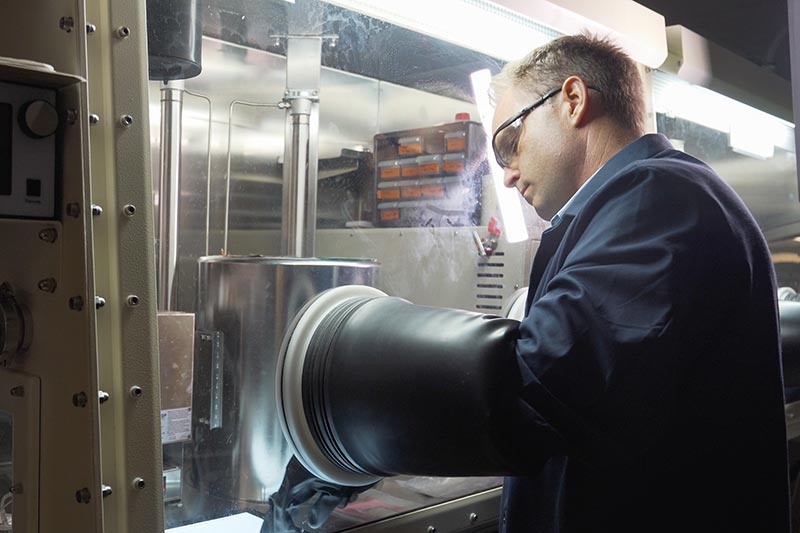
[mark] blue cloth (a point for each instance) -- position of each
(650, 357)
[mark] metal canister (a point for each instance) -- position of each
(245, 305)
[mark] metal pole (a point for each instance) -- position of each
(299, 193)
(299, 213)
(169, 192)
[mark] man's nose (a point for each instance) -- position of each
(510, 177)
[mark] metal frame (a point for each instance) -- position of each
(477, 512)
(125, 266)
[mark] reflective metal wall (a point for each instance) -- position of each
(352, 110)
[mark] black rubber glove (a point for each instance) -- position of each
(295, 495)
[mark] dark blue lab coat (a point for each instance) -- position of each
(650, 358)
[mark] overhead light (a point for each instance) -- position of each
(473, 24)
(751, 131)
(514, 227)
(750, 136)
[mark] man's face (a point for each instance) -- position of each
(541, 168)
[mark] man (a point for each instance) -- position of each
(650, 347)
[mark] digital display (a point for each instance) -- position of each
(6, 113)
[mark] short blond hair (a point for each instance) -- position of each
(596, 60)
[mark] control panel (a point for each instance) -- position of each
(29, 125)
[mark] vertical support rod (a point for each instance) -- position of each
(299, 213)
(299, 192)
(169, 192)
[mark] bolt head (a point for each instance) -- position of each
(80, 399)
(48, 235)
(83, 495)
(47, 285)
(76, 303)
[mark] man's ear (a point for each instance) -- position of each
(576, 99)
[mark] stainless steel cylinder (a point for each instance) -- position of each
(245, 305)
(299, 192)
(169, 192)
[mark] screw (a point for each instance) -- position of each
(99, 302)
(94, 118)
(80, 399)
(72, 116)
(76, 303)
(18, 391)
(103, 396)
(47, 285)
(91, 28)
(138, 483)
(473, 517)
(123, 32)
(83, 495)
(129, 210)
(66, 24)
(107, 491)
(132, 300)
(125, 120)
(48, 235)
(136, 391)
(431, 529)
(96, 210)
(73, 210)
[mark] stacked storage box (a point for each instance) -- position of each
(430, 176)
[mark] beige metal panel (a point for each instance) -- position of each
(49, 264)
(125, 267)
(37, 30)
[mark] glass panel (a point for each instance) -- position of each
(402, 177)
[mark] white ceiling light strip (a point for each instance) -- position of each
(473, 24)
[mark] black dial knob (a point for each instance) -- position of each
(38, 119)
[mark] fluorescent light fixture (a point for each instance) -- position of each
(514, 227)
(751, 135)
(752, 132)
(477, 25)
